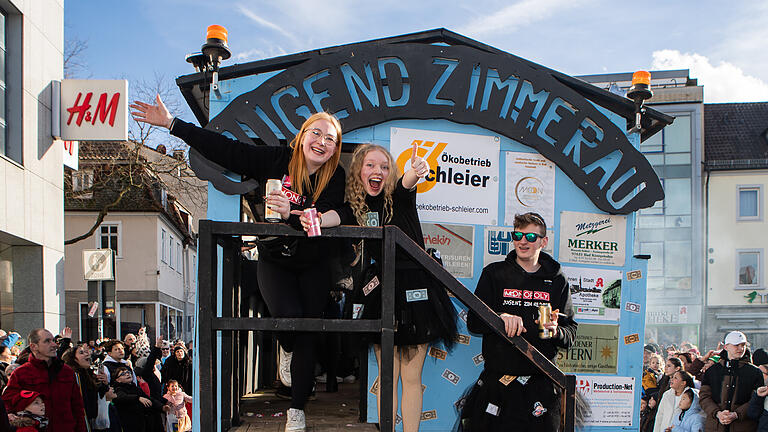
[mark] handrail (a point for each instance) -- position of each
(213, 234)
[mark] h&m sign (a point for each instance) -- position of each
(373, 82)
(94, 110)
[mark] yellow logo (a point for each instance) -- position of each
(427, 150)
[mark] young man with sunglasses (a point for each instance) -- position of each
(511, 391)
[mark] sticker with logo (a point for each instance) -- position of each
(538, 409)
(525, 294)
(492, 409)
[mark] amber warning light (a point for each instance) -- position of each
(639, 92)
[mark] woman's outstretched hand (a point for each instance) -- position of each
(156, 115)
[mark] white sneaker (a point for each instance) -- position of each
(349, 379)
(323, 378)
(295, 420)
(285, 367)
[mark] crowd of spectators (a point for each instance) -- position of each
(50, 383)
(722, 390)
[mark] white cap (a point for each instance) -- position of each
(735, 338)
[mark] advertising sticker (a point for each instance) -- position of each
(463, 183)
(530, 185)
(595, 350)
(596, 293)
(590, 238)
(455, 244)
(611, 399)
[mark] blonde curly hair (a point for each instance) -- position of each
(355, 191)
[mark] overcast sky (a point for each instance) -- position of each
(722, 43)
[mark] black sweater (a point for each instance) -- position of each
(506, 288)
(262, 163)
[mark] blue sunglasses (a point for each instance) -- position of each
(530, 237)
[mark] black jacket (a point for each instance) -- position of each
(757, 412)
(179, 370)
(133, 415)
(506, 288)
(737, 377)
(148, 373)
(262, 163)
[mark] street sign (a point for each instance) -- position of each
(97, 264)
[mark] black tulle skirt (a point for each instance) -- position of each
(418, 320)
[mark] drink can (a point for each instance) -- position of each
(545, 313)
(269, 214)
(314, 222)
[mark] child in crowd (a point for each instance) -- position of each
(28, 412)
(137, 411)
(691, 418)
(177, 401)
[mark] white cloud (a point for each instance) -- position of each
(724, 82)
(262, 22)
(520, 14)
(257, 54)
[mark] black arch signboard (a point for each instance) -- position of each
(370, 83)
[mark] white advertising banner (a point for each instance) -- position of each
(463, 183)
(611, 399)
(455, 244)
(94, 110)
(591, 238)
(530, 185)
(596, 293)
(497, 243)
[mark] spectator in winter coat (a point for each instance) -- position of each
(670, 400)
(138, 411)
(48, 375)
(29, 412)
(727, 387)
(145, 368)
(115, 352)
(758, 408)
(691, 417)
(178, 367)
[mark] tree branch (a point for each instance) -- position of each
(99, 219)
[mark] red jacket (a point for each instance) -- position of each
(63, 402)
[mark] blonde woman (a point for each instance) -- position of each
(378, 195)
(294, 278)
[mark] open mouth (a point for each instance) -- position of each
(374, 183)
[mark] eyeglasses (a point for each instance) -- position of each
(328, 140)
(530, 237)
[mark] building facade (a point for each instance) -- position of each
(672, 231)
(151, 233)
(31, 187)
(736, 177)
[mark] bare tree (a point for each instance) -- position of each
(126, 170)
(74, 65)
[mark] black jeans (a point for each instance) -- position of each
(296, 293)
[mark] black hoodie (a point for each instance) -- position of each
(507, 288)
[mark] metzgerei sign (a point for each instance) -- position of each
(94, 110)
